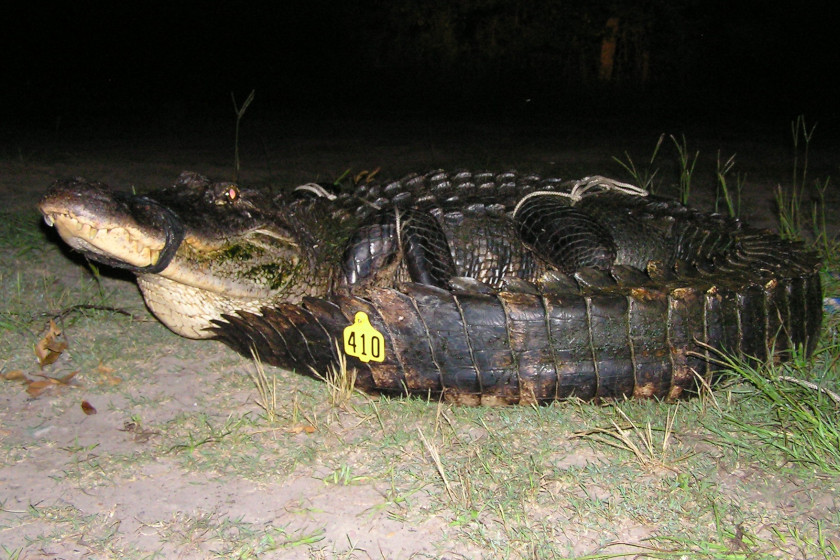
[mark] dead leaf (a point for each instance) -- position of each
(107, 375)
(65, 380)
(49, 348)
(88, 408)
(35, 388)
(305, 428)
(13, 375)
(103, 369)
(366, 176)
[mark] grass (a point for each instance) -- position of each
(651, 452)
(800, 206)
(643, 177)
(340, 381)
(229, 459)
(687, 164)
(801, 419)
(266, 391)
(240, 112)
(791, 200)
(727, 196)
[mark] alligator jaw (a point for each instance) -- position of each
(189, 310)
(94, 221)
(125, 244)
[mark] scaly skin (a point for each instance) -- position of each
(520, 314)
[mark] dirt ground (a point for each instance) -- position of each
(79, 485)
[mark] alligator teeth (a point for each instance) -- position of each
(49, 220)
(86, 230)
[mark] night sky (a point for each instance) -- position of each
(481, 58)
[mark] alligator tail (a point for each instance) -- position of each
(595, 336)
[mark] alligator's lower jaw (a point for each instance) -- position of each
(187, 310)
(116, 243)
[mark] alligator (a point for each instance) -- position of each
(476, 288)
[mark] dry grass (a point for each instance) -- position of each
(341, 381)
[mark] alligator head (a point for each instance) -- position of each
(199, 249)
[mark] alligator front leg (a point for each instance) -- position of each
(393, 239)
(563, 235)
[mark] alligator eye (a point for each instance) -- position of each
(228, 195)
(231, 193)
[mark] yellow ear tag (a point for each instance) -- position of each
(364, 341)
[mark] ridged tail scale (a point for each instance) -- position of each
(594, 336)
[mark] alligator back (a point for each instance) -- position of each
(498, 227)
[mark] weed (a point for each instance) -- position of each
(341, 381)
(214, 435)
(343, 476)
(240, 112)
(266, 390)
(799, 128)
(789, 207)
(643, 177)
(12, 553)
(822, 241)
(435, 455)
(687, 163)
(641, 442)
(733, 207)
(803, 422)
(790, 202)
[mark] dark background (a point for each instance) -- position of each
(540, 59)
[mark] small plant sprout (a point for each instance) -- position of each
(642, 177)
(687, 163)
(266, 390)
(341, 381)
(649, 451)
(789, 202)
(733, 206)
(240, 112)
